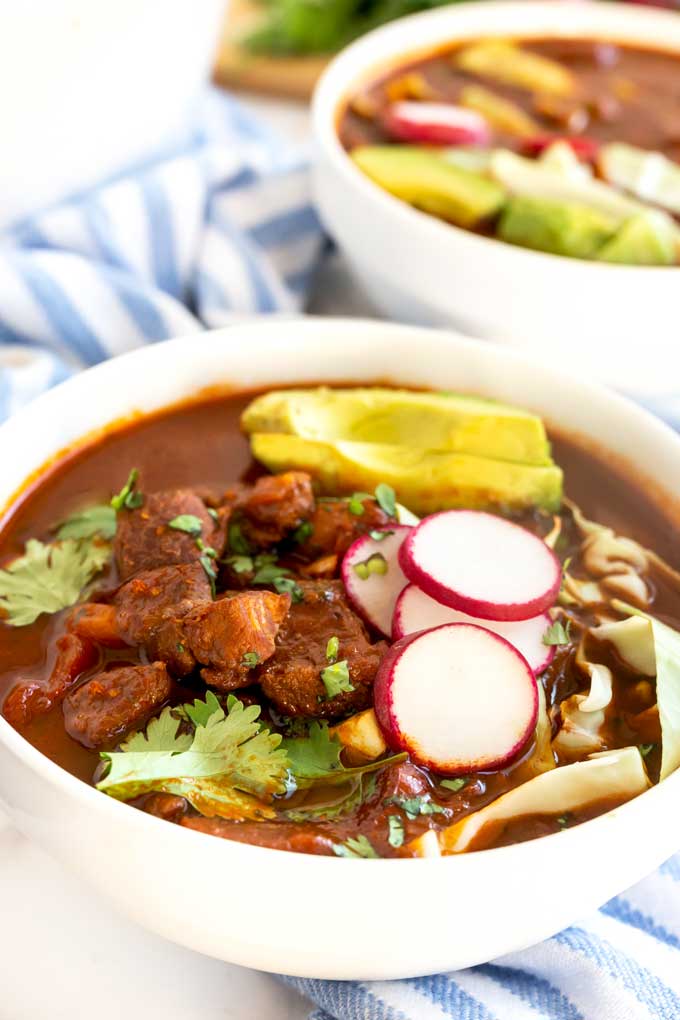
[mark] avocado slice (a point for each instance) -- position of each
(431, 421)
(561, 228)
(648, 239)
(501, 60)
(424, 480)
(429, 181)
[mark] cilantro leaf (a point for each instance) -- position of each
(396, 831)
(336, 679)
(250, 660)
(128, 498)
(213, 513)
(94, 520)
(378, 536)
(453, 784)
(357, 790)
(414, 806)
(225, 768)
(359, 847)
(236, 540)
(206, 561)
(557, 633)
(240, 564)
(313, 756)
(332, 649)
(48, 578)
(646, 749)
(386, 498)
(356, 503)
(287, 585)
(270, 573)
(303, 532)
(189, 523)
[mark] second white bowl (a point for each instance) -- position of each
(615, 323)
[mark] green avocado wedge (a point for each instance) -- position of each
(424, 480)
(560, 228)
(430, 421)
(427, 180)
(648, 239)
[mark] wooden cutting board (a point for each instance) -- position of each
(277, 76)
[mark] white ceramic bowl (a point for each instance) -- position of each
(87, 88)
(320, 916)
(618, 323)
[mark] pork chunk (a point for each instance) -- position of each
(292, 678)
(276, 506)
(144, 540)
(334, 527)
(111, 703)
(32, 698)
(231, 636)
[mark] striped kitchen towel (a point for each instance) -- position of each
(621, 964)
(219, 227)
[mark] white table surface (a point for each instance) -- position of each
(63, 952)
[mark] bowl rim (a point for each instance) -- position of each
(157, 354)
(354, 63)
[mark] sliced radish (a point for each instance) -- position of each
(458, 698)
(416, 611)
(585, 148)
(481, 564)
(436, 124)
(373, 576)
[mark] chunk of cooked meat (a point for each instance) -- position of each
(231, 636)
(292, 678)
(144, 540)
(276, 506)
(335, 527)
(155, 596)
(113, 702)
(33, 698)
(165, 805)
(97, 622)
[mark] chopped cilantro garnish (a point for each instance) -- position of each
(48, 578)
(250, 660)
(375, 564)
(332, 649)
(225, 767)
(180, 647)
(414, 806)
(646, 749)
(208, 565)
(286, 585)
(237, 542)
(557, 633)
(387, 499)
(188, 523)
(303, 532)
(128, 498)
(269, 573)
(315, 755)
(93, 520)
(207, 550)
(564, 821)
(378, 536)
(396, 831)
(213, 513)
(240, 564)
(336, 679)
(356, 503)
(453, 784)
(359, 847)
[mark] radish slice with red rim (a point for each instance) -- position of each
(416, 611)
(373, 577)
(458, 698)
(484, 565)
(436, 124)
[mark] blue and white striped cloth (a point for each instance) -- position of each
(621, 964)
(220, 228)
